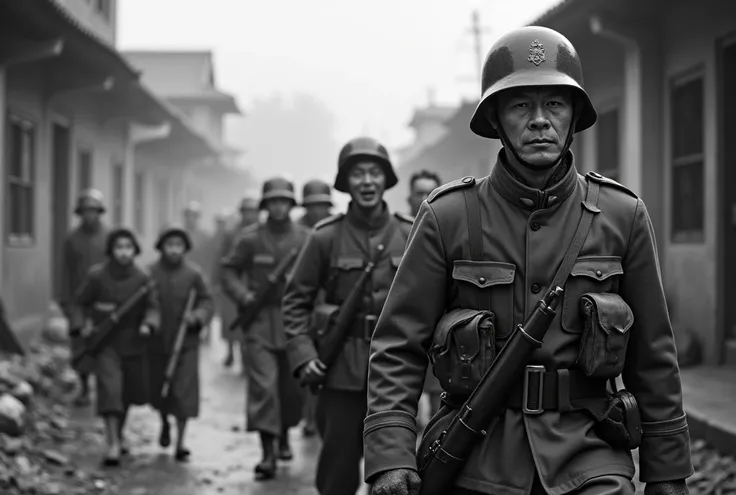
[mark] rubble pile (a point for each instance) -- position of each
(714, 474)
(34, 393)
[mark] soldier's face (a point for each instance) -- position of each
(174, 248)
(278, 209)
(318, 211)
(249, 215)
(420, 190)
(366, 183)
(123, 250)
(90, 215)
(536, 121)
(191, 217)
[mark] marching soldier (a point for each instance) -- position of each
(121, 364)
(248, 216)
(317, 201)
(83, 248)
(176, 279)
(488, 249)
(335, 255)
(273, 402)
(421, 185)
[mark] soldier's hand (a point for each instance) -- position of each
(86, 329)
(248, 299)
(192, 321)
(312, 372)
(145, 330)
(397, 482)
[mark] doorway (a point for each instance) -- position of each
(61, 147)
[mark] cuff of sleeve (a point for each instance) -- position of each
(300, 350)
(390, 439)
(664, 454)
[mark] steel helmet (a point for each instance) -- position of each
(531, 56)
(193, 207)
(249, 202)
(90, 198)
(316, 192)
(277, 187)
(121, 232)
(170, 231)
(363, 147)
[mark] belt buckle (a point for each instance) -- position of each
(369, 324)
(533, 368)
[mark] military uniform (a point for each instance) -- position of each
(525, 233)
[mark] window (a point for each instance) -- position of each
(608, 152)
(139, 193)
(21, 165)
(118, 193)
(686, 110)
(163, 203)
(84, 170)
(103, 7)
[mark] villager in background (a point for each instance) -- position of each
(482, 253)
(122, 364)
(83, 248)
(227, 311)
(421, 185)
(274, 402)
(176, 279)
(337, 252)
(317, 202)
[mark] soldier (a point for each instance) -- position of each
(273, 402)
(121, 368)
(83, 248)
(500, 253)
(332, 261)
(203, 253)
(175, 278)
(317, 201)
(248, 216)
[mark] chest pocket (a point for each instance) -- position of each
(489, 283)
(596, 274)
(263, 264)
(345, 273)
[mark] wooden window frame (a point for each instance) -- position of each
(118, 193)
(78, 165)
(611, 107)
(28, 183)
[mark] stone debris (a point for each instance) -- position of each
(714, 474)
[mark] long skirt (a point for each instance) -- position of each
(122, 381)
(183, 399)
(273, 401)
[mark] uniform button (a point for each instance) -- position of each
(536, 288)
(536, 226)
(598, 273)
(482, 280)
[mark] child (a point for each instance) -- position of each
(176, 277)
(121, 367)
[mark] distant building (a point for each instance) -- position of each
(661, 74)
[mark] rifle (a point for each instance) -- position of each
(246, 318)
(84, 358)
(448, 453)
(178, 343)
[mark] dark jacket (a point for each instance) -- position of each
(335, 269)
(82, 249)
(526, 232)
(173, 284)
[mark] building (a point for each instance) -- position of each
(661, 74)
(451, 151)
(70, 108)
(186, 80)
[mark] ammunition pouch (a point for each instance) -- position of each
(323, 320)
(463, 349)
(607, 320)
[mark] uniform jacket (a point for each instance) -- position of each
(204, 251)
(225, 307)
(254, 255)
(316, 269)
(82, 249)
(526, 233)
(106, 287)
(173, 284)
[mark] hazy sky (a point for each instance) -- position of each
(371, 62)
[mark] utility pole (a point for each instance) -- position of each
(477, 32)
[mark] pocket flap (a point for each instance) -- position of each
(396, 261)
(350, 263)
(483, 273)
(264, 259)
(597, 267)
(452, 320)
(611, 310)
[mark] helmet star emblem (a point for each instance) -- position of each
(536, 53)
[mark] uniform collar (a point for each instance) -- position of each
(529, 198)
(361, 222)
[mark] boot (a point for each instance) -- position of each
(285, 453)
(266, 469)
